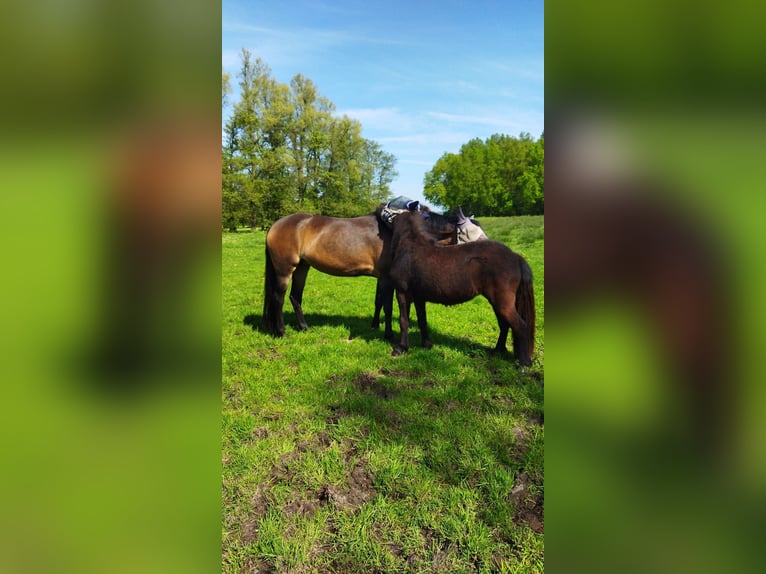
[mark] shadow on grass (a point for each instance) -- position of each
(360, 328)
(468, 418)
(424, 398)
(469, 431)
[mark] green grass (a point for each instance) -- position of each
(339, 458)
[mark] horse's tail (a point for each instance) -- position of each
(525, 306)
(270, 281)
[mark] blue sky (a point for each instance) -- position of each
(422, 77)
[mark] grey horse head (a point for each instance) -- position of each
(467, 229)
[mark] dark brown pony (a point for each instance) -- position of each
(343, 247)
(466, 230)
(422, 271)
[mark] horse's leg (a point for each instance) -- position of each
(404, 323)
(296, 292)
(508, 316)
(378, 304)
(521, 345)
(501, 345)
(275, 286)
(420, 309)
(387, 296)
(276, 302)
(384, 296)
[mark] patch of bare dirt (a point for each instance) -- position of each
(355, 491)
(259, 504)
(353, 494)
(394, 373)
(314, 444)
(370, 383)
(528, 503)
(537, 419)
(255, 566)
(300, 507)
(337, 414)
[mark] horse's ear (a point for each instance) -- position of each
(460, 214)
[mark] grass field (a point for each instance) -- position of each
(339, 458)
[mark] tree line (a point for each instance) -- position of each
(284, 151)
(500, 176)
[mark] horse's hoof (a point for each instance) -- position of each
(398, 351)
(427, 344)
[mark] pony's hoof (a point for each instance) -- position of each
(427, 344)
(398, 351)
(525, 362)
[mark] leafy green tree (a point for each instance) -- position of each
(286, 151)
(225, 89)
(502, 175)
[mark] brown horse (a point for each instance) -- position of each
(422, 271)
(467, 230)
(343, 247)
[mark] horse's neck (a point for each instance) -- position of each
(411, 233)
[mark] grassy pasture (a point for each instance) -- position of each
(339, 458)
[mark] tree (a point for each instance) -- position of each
(502, 175)
(225, 89)
(286, 151)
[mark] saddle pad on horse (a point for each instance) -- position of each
(396, 206)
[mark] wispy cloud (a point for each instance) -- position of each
(383, 119)
(302, 38)
(429, 138)
(420, 163)
(509, 120)
(532, 69)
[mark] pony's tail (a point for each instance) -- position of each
(270, 281)
(525, 306)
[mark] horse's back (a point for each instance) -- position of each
(342, 246)
(333, 245)
(455, 274)
(287, 224)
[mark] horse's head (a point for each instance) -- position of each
(467, 229)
